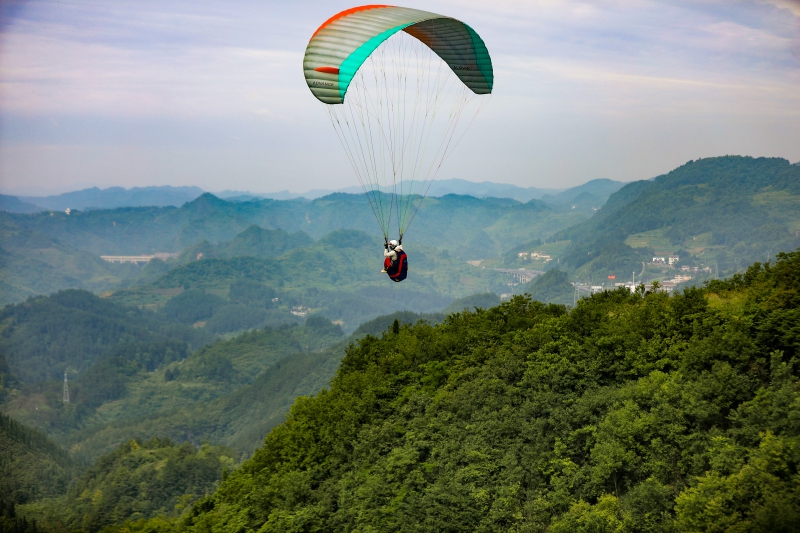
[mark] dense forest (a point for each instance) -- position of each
(632, 412)
(31, 467)
(69, 331)
(552, 287)
(135, 373)
(140, 479)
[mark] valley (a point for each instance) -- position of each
(261, 315)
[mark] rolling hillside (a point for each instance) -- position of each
(725, 212)
(32, 263)
(72, 330)
(338, 276)
(133, 373)
(448, 222)
(46, 252)
(166, 477)
(31, 465)
(252, 242)
(632, 412)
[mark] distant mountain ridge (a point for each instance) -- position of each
(113, 197)
(594, 191)
(601, 188)
(12, 204)
(164, 196)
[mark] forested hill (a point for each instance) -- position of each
(31, 466)
(139, 479)
(632, 412)
(71, 330)
(135, 373)
(730, 211)
(253, 242)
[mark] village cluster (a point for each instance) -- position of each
(534, 256)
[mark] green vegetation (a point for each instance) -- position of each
(552, 287)
(69, 331)
(31, 465)
(192, 306)
(7, 381)
(596, 192)
(135, 373)
(555, 250)
(724, 212)
(378, 325)
(211, 406)
(632, 412)
(10, 522)
(338, 277)
(443, 222)
(160, 388)
(32, 263)
(140, 479)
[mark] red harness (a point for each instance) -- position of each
(397, 270)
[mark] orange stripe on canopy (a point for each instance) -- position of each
(348, 12)
(327, 70)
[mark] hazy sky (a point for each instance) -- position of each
(137, 93)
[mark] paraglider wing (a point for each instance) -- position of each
(397, 81)
(341, 45)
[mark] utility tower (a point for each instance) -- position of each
(66, 389)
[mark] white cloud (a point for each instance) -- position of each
(49, 75)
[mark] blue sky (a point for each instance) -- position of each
(212, 94)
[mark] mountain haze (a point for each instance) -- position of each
(45, 252)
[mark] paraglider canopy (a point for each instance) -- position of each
(341, 45)
(396, 82)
